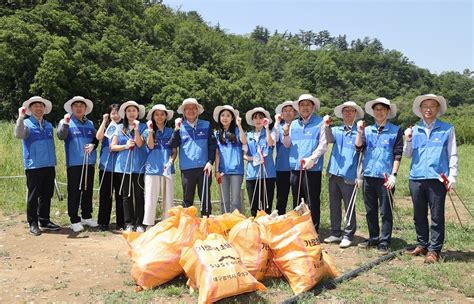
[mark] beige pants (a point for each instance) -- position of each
(154, 185)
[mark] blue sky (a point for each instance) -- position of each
(437, 35)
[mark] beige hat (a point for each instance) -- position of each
(351, 104)
(125, 105)
(161, 107)
(310, 97)
(440, 99)
(280, 107)
(382, 100)
(68, 104)
(249, 115)
(219, 109)
(47, 104)
(190, 101)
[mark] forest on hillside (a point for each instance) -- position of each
(111, 51)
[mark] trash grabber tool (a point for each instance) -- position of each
(391, 202)
(86, 171)
(124, 171)
(82, 171)
(446, 184)
(219, 183)
(130, 173)
(300, 178)
(58, 192)
(348, 215)
(204, 200)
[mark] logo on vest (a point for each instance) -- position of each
(201, 133)
(436, 140)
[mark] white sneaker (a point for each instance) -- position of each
(140, 229)
(129, 228)
(77, 227)
(345, 243)
(90, 222)
(332, 239)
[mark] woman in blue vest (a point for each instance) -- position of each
(307, 143)
(131, 158)
(159, 172)
(39, 160)
(261, 171)
(432, 146)
(285, 114)
(229, 157)
(109, 179)
(342, 171)
(382, 145)
(80, 143)
(197, 153)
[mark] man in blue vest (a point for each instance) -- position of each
(80, 144)
(307, 143)
(382, 144)
(197, 152)
(432, 146)
(39, 160)
(342, 171)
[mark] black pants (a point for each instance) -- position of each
(311, 196)
(110, 183)
(375, 196)
(79, 198)
(283, 189)
(252, 188)
(40, 183)
(190, 179)
(133, 200)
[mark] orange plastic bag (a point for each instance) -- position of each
(214, 267)
(250, 241)
(272, 270)
(156, 253)
(221, 224)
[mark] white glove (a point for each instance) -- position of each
(166, 167)
(105, 117)
(135, 125)
(360, 125)
(130, 144)
(327, 120)
(308, 163)
(177, 123)
(67, 118)
(88, 148)
(238, 121)
(359, 182)
(150, 125)
(266, 122)
(278, 118)
(208, 169)
(408, 134)
(390, 183)
(452, 182)
(21, 112)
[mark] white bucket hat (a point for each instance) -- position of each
(190, 101)
(310, 97)
(219, 109)
(351, 104)
(47, 104)
(249, 115)
(161, 107)
(443, 106)
(280, 107)
(68, 104)
(382, 100)
(125, 105)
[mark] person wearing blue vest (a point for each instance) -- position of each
(131, 157)
(342, 171)
(382, 146)
(159, 169)
(307, 143)
(229, 157)
(432, 146)
(285, 114)
(109, 179)
(197, 152)
(261, 171)
(80, 144)
(39, 160)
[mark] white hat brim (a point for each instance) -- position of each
(48, 106)
(280, 107)
(249, 114)
(339, 108)
(368, 108)
(125, 105)
(68, 104)
(443, 106)
(160, 107)
(314, 100)
(190, 101)
(219, 109)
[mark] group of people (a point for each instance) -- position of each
(136, 163)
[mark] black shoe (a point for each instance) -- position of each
(49, 226)
(383, 249)
(104, 227)
(367, 244)
(34, 229)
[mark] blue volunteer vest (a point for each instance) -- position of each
(344, 157)
(378, 153)
(304, 140)
(161, 152)
(106, 153)
(137, 162)
(38, 147)
(231, 160)
(282, 159)
(193, 149)
(79, 134)
(430, 155)
(252, 171)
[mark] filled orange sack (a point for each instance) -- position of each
(297, 250)
(215, 268)
(250, 241)
(272, 270)
(155, 254)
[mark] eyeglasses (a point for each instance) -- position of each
(429, 107)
